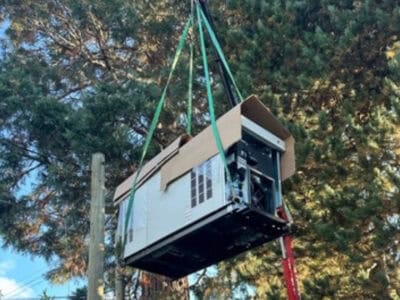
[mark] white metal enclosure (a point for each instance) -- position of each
(171, 227)
(157, 214)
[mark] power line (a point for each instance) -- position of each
(28, 284)
(29, 277)
(36, 298)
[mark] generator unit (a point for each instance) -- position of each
(187, 215)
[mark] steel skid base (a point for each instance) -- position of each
(222, 235)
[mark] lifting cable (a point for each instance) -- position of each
(190, 23)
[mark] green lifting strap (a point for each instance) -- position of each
(190, 86)
(182, 40)
(153, 127)
(214, 127)
(220, 53)
(190, 93)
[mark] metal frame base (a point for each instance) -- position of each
(222, 235)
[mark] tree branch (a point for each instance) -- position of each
(40, 158)
(74, 90)
(26, 172)
(202, 274)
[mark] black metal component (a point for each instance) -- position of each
(222, 71)
(245, 222)
(220, 236)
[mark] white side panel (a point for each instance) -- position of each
(157, 214)
(166, 209)
(137, 230)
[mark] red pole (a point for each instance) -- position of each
(288, 263)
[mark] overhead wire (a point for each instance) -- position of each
(40, 298)
(21, 288)
(26, 282)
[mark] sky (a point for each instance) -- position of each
(22, 276)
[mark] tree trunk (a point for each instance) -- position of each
(161, 287)
(119, 283)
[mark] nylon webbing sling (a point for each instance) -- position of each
(210, 98)
(190, 86)
(200, 18)
(217, 46)
(153, 127)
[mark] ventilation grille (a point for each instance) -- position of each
(201, 183)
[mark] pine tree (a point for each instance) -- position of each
(325, 71)
(74, 81)
(78, 77)
(79, 294)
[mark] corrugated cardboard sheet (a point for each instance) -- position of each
(181, 156)
(203, 146)
(150, 168)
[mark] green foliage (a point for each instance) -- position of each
(85, 76)
(79, 294)
(44, 296)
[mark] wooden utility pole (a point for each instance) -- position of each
(96, 243)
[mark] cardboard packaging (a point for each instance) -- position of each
(185, 152)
